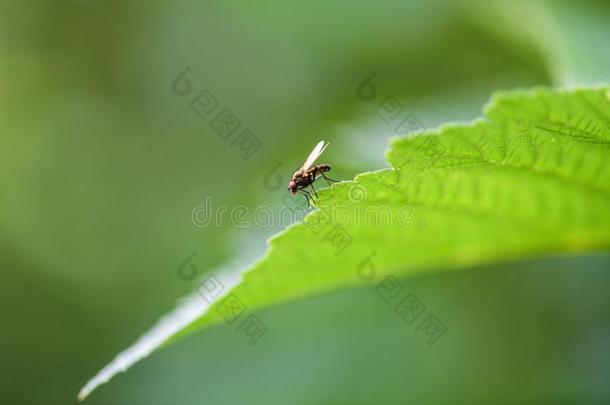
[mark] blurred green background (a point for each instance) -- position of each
(102, 163)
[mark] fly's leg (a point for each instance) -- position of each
(307, 195)
(314, 190)
(329, 179)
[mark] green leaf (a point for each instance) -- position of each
(531, 178)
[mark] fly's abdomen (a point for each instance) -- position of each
(322, 169)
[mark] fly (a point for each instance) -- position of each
(308, 173)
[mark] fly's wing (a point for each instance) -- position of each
(315, 154)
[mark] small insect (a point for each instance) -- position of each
(308, 173)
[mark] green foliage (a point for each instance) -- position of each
(532, 177)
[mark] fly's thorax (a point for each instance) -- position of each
(305, 180)
(298, 173)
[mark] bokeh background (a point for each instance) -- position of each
(101, 165)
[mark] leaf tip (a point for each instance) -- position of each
(82, 394)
